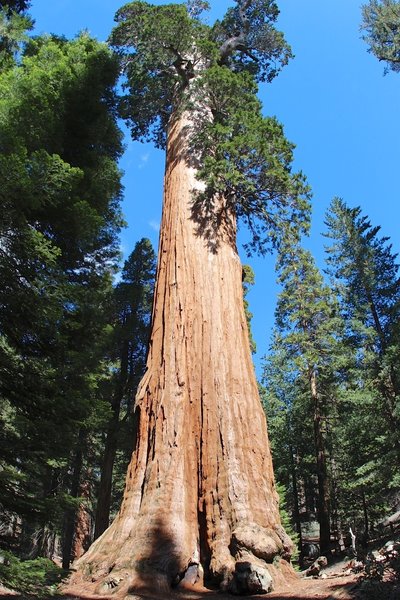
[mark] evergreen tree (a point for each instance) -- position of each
(308, 325)
(381, 24)
(192, 89)
(59, 194)
(290, 429)
(133, 297)
(365, 273)
(14, 5)
(14, 23)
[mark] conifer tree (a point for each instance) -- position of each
(381, 24)
(59, 218)
(133, 297)
(200, 488)
(307, 327)
(364, 270)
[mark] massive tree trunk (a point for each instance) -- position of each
(200, 501)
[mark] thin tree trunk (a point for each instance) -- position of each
(322, 473)
(200, 494)
(296, 502)
(70, 514)
(102, 518)
(366, 517)
(83, 524)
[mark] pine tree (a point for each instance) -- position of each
(133, 298)
(290, 429)
(381, 24)
(364, 270)
(307, 341)
(59, 194)
(14, 24)
(248, 280)
(200, 484)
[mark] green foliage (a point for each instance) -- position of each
(13, 28)
(381, 27)
(286, 521)
(15, 5)
(349, 337)
(173, 63)
(158, 54)
(59, 195)
(248, 280)
(126, 354)
(365, 274)
(307, 314)
(246, 158)
(249, 40)
(301, 379)
(196, 7)
(37, 577)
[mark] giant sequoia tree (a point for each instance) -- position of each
(200, 497)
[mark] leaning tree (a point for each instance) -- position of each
(200, 501)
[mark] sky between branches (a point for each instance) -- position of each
(335, 105)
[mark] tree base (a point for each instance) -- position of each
(240, 573)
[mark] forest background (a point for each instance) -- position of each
(334, 102)
(339, 110)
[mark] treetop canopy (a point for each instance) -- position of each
(163, 47)
(175, 62)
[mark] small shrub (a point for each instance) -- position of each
(287, 522)
(381, 574)
(39, 576)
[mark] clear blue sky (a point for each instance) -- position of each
(335, 105)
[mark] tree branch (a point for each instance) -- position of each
(238, 42)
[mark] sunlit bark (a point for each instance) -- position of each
(200, 501)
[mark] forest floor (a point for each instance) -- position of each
(339, 587)
(335, 584)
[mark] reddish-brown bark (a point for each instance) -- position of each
(83, 524)
(200, 498)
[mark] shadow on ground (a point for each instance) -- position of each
(303, 589)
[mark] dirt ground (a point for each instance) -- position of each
(337, 588)
(334, 587)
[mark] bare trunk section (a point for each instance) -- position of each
(70, 514)
(83, 523)
(200, 499)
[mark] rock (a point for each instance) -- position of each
(261, 542)
(251, 578)
(111, 583)
(309, 553)
(315, 569)
(390, 547)
(191, 576)
(310, 550)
